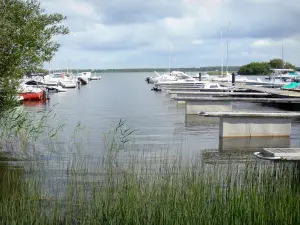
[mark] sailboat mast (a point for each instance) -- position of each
(222, 51)
(169, 58)
(227, 54)
(282, 56)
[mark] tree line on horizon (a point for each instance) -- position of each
(258, 68)
(253, 68)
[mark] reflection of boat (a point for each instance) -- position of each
(34, 103)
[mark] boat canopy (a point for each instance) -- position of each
(282, 70)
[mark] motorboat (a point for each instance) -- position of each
(204, 76)
(84, 77)
(167, 77)
(212, 85)
(31, 93)
(203, 85)
(294, 85)
(186, 81)
(95, 77)
(228, 78)
(67, 81)
(284, 74)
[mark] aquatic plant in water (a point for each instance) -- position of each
(168, 193)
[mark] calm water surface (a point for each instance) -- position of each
(160, 123)
(163, 130)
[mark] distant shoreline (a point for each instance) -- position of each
(214, 70)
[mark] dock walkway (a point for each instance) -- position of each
(273, 91)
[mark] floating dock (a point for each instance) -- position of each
(180, 94)
(272, 91)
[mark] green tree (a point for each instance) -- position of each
(26, 42)
(276, 63)
(279, 64)
(255, 68)
(288, 65)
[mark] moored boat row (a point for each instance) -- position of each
(37, 88)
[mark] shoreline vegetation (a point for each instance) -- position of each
(45, 178)
(168, 194)
(215, 70)
(139, 188)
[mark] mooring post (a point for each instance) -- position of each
(233, 79)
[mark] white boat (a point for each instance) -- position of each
(56, 89)
(212, 85)
(185, 80)
(172, 76)
(283, 74)
(52, 79)
(95, 77)
(28, 92)
(203, 85)
(204, 76)
(86, 74)
(68, 81)
(84, 77)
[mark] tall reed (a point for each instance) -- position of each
(138, 192)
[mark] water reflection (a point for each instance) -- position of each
(11, 178)
(252, 143)
(37, 104)
(195, 120)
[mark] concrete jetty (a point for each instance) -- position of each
(253, 124)
(180, 94)
(273, 91)
(193, 105)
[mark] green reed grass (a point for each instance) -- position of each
(195, 194)
(138, 192)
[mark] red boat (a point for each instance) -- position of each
(33, 95)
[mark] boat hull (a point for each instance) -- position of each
(33, 95)
(83, 81)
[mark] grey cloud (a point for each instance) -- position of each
(135, 29)
(136, 11)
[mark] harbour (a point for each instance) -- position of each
(161, 121)
(155, 112)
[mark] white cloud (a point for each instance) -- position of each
(134, 33)
(262, 43)
(197, 42)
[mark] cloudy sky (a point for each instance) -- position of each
(138, 33)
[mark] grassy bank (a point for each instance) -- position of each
(138, 190)
(169, 194)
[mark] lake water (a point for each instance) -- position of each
(162, 131)
(160, 124)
